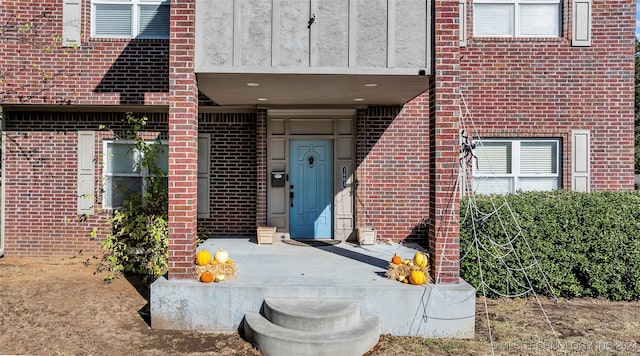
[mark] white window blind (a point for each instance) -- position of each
(112, 20)
(493, 20)
(154, 21)
(493, 157)
(508, 166)
(539, 20)
(130, 18)
(538, 157)
(517, 18)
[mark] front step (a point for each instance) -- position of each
(311, 327)
(315, 315)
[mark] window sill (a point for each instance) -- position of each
(515, 39)
(127, 39)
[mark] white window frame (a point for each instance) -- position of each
(135, 17)
(484, 178)
(108, 176)
(515, 19)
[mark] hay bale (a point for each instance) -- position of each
(401, 272)
(228, 270)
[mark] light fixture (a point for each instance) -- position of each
(371, 85)
(358, 99)
(251, 84)
(262, 99)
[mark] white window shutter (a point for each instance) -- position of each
(463, 23)
(86, 172)
(581, 23)
(580, 157)
(71, 20)
(204, 145)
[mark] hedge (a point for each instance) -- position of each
(584, 244)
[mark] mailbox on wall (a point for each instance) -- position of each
(278, 179)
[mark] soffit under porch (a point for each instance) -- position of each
(310, 89)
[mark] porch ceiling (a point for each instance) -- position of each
(310, 89)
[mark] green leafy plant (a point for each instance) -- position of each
(138, 241)
(583, 244)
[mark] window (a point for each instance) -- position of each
(130, 18)
(517, 18)
(122, 171)
(507, 166)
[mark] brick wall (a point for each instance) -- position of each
(233, 174)
(546, 88)
(392, 156)
(41, 180)
(37, 70)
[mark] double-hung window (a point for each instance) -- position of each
(123, 172)
(130, 18)
(508, 166)
(517, 18)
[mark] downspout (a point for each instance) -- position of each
(2, 185)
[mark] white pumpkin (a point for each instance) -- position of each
(221, 256)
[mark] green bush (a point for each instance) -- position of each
(583, 244)
(138, 242)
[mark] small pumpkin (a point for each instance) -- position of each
(203, 257)
(230, 262)
(420, 260)
(206, 277)
(221, 256)
(214, 262)
(396, 260)
(416, 277)
(219, 278)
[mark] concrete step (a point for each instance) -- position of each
(275, 340)
(312, 314)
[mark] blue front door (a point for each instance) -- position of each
(311, 188)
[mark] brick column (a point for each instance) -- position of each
(183, 141)
(444, 229)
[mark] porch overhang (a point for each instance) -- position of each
(311, 89)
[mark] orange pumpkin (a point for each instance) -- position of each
(396, 260)
(206, 277)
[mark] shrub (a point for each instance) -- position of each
(138, 242)
(583, 244)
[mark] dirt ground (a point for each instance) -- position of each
(58, 306)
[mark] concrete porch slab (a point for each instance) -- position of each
(343, 271)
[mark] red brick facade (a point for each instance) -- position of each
(38, 70)
(407, 157)
(547, 88)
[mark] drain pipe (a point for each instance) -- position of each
(2, 185)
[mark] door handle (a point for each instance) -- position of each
(291, 198)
